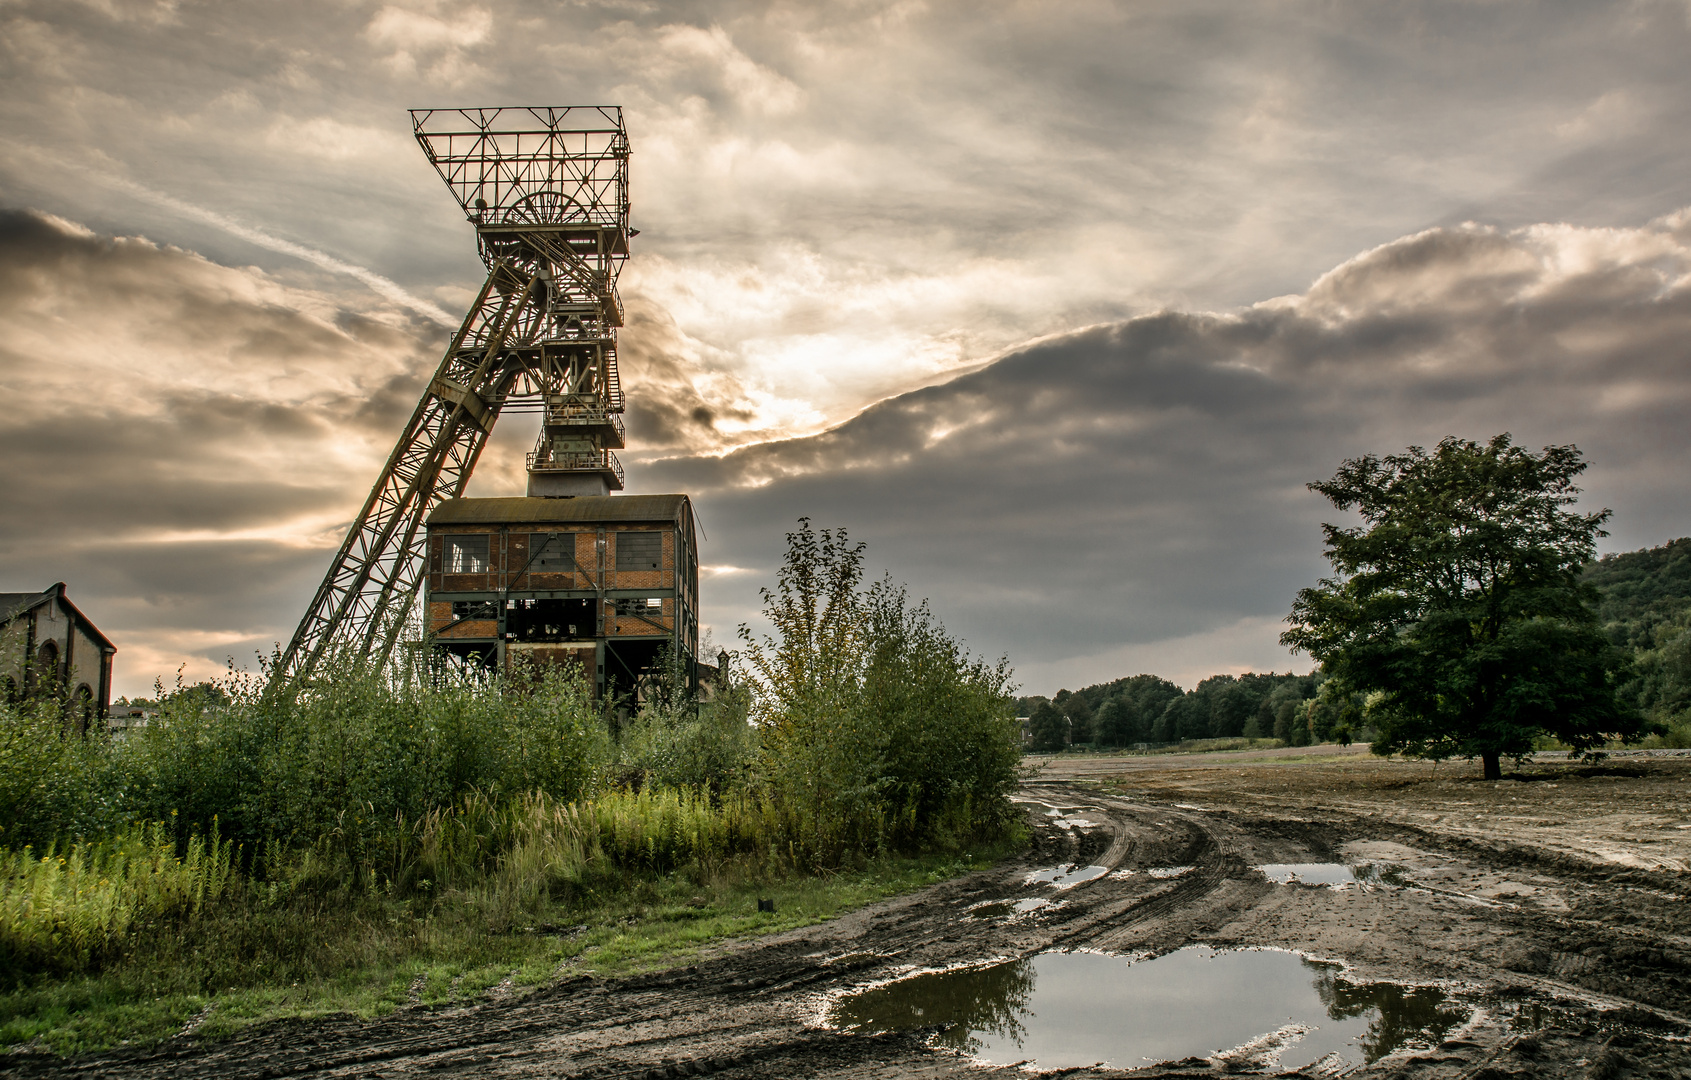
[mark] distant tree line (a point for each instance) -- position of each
(1645, 606)
(1151, 709)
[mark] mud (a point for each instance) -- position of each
(1550, 915)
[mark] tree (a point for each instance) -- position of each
(1113, 725)
(1458, 606)
(1080, 718)
(875, 726)
(1048, 729)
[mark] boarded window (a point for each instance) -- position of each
(639, 550)
(466, 554)
(551, 553)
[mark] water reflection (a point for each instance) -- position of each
(1397, 1015)
(1006, 907)
(1066, 876)
(1337, 874)
(1075, 1009)
(978, 1007)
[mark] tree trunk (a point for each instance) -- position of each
(1493, 771)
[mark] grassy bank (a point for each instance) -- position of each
(249, 962)
(390, 831)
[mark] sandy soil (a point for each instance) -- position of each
(1555, 906)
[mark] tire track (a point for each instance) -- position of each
(749, 1013)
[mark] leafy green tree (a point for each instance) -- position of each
(1048, 729)
(875, 726)
(1113, 724)
(1186, 717)
(1079, 712)
(1458, 605)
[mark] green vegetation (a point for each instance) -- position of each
(877, 728)
(1459, 611)
(1146, 711)
(1645, 606)
(1185, 746)
(294, 850)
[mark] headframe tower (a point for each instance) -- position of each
(547, 191)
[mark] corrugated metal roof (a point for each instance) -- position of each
(580, 508)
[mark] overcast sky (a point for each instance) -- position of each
(1058, 305)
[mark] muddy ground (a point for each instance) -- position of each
(1554, 911)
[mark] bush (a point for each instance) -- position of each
(401, 792)
(359, 750)
(674, 741)
(52, 782)
(878, 730)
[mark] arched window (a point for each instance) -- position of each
(82, 708)
(46, 664)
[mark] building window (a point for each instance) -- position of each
(474, 609)
(551, 553)
(83, 708)
(639, 550)
(649, 606)
(466, 554)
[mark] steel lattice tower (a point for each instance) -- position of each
(547, 190)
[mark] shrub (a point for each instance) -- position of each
(877, 728)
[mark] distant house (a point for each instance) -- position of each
(48, 647)
(122, 718)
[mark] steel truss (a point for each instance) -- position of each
(547, 190)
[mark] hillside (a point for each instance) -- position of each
(1646, 605)
(1643, 590)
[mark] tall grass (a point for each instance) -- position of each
(70, 910)
(402, 800)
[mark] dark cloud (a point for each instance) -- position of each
(842, 204)
(842, 201)
(181, 438)
(1144, 481)
(675, 402)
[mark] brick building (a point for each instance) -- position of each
(48, 646)
(601, 582)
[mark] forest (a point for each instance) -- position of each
(1644, 604)
(1643, 601)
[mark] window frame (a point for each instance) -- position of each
(456, 544)
(538, 542)
(657, 555)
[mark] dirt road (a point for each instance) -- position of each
(1549, 921)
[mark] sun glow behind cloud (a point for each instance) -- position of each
(841, 207)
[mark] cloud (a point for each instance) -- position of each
(840, 205)
(188, 439)
(183, 439)
(1133, 494)
(429, 45)
(840, 202)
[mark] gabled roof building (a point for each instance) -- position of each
(49, 647)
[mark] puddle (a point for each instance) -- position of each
(1169, 871)
(1065, 818)
(1334, 874)
(1065, 877)
(1067, 1010)
(1006, 907)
